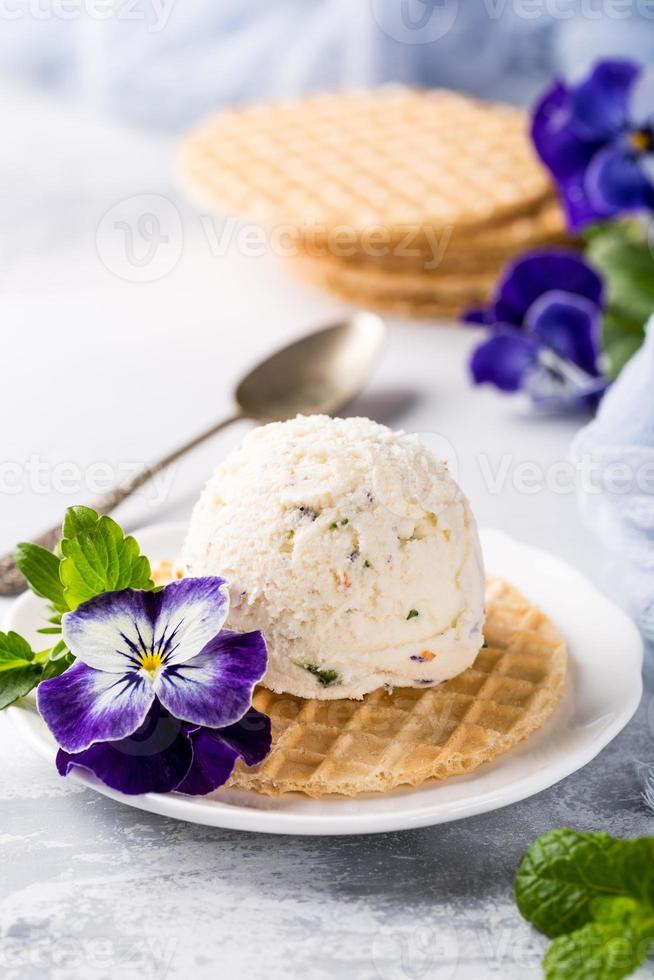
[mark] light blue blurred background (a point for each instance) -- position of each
(164, 63)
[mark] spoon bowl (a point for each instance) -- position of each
(315, 375)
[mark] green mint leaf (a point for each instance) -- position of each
(41, 569)
(326, 677)
(621, 253)
(564, 872)
(17, 682)
(57, 665)
(18, 671)
(97, 558)
(60, 651)
(14, 650)
(610, 947)
(77, 520)
(620, 340)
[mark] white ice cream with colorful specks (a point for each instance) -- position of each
(352, 549)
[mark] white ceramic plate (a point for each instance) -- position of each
(603, 693)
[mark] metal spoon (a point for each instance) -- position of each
(316, 374)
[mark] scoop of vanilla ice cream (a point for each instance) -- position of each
(351, 548)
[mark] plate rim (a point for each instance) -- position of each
(263, 820)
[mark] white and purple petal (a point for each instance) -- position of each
(190, 613)
(84, 705)
(215, 752)
(154, 759)
(214, 688)
(113, 631)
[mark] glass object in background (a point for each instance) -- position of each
(615, 456)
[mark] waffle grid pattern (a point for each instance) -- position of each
(413, 734)
(394, 156)
(446, 253)
(452, 287)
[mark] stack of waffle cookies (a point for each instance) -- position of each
(396, 199)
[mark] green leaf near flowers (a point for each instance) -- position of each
(612, 946)
(57, 665)
(623, 254)
(93, 556)
(97, 558)
(19, 671)
(564, 871)
(41, 569)
(620, 341)
(594, 895)
(77, 520)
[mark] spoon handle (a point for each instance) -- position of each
(11, 578)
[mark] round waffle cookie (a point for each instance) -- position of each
(420, 308)
(444, 249)
(394, 157)
(362, 279)
(413, 734)
(444, 297)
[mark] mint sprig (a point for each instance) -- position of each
(97, 558)
(20, 669)
(41, 569)
(94, 556)
(624, 257)
(612, 946)
(592, 894)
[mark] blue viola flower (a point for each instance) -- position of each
(159, 697)
(544, 323)
(597, 139)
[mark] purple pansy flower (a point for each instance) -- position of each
(166, 754)
(544, 323)
(597, 139)
(159, 696)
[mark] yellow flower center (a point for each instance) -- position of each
(151, 662)
(641, 140)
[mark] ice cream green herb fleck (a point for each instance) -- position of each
(326, 677)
